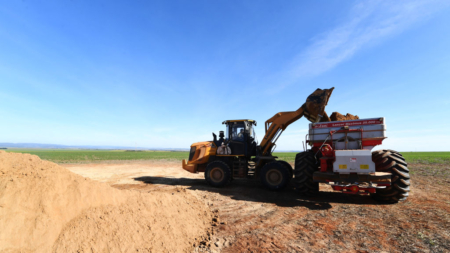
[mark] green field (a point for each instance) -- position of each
(79, 155)
(411, 157)
(76, 156)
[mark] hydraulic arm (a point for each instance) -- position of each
(313, 110)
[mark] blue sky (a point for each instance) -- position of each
(165, 74)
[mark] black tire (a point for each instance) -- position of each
(218, 174)
(305, 166)
(274, 175)
(391, 161)
(289, 167)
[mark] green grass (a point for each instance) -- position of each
(75, 156)
(286, 156)
(411, 157)
(427, 157)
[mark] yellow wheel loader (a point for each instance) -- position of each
(236, 153)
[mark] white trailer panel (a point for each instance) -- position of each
(353, 161)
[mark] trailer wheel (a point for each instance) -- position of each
(305, 166)
(218, 174)
(391, 161)
(289, 167)
(275, 175)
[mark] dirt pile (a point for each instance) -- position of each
(335, 116)
(46, 208)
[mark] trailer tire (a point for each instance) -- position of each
(289, 167)
(305, 166)
(275, 176)
(218, 174)
(391, 161)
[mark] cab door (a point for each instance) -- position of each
(237, 138)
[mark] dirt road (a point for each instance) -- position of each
(253, 219)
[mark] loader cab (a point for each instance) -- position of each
(240, 137)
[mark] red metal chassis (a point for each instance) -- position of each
(328, 157)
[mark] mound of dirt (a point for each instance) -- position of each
(46, 208)
(335, 116)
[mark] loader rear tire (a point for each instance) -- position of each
(391, 161)
(305, 166)
(275, 175)
(218, 174)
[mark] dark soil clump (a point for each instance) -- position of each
(335, 116)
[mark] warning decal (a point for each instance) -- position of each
(353, 160)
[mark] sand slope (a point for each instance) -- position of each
(45, 208)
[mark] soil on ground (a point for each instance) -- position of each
(46, 208)
(249, 218)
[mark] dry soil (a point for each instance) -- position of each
(336, 116)
(46, 208)
(253, 219)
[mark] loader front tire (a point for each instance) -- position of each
(275, 176)
(391, 161)
(218, 174)
(305, 166)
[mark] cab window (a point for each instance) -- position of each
(237, 132)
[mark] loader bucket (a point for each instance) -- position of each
(314, 108)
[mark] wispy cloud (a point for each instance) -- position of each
(368, 23)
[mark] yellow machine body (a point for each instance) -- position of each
(200, 156)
